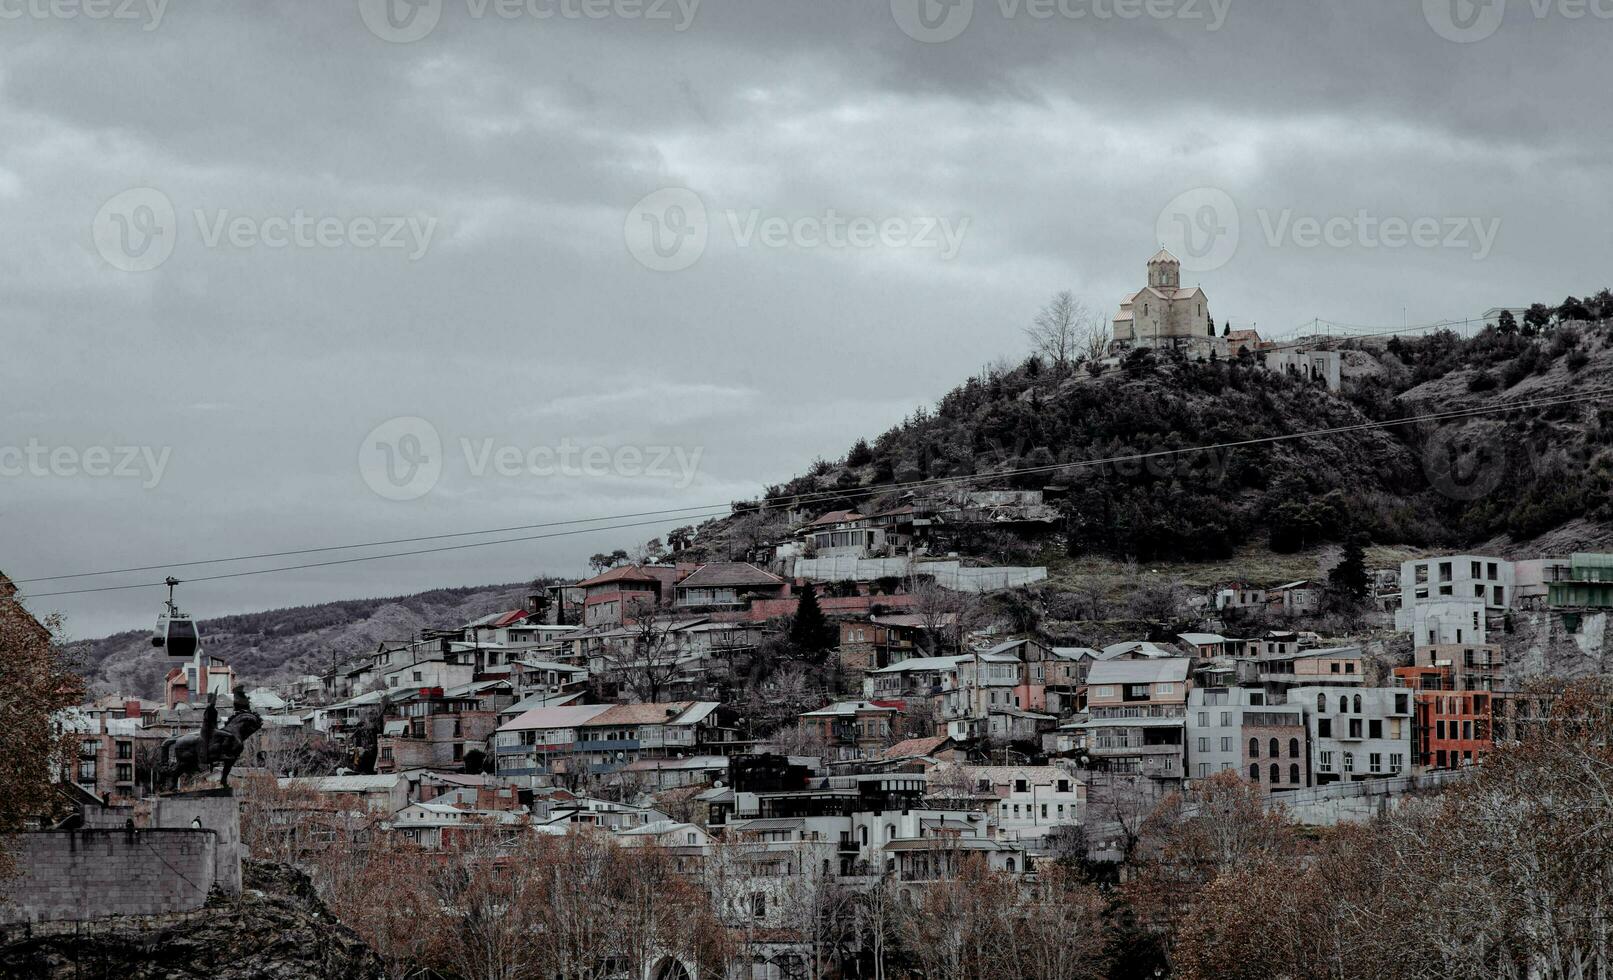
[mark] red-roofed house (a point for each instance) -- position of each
(727, 585)
(613, 596)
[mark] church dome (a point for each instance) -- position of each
(1163, 257)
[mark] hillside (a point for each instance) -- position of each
(1517, 483)
(280, 643)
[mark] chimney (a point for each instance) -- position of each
(131, 709)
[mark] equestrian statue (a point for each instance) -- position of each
(198, 752)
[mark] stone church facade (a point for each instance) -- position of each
(1167, 314)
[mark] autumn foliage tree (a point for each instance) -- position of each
(38, 685)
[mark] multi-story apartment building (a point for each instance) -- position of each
(1137, 712)
(973, 685)
(1357, 734)
(1339, 666)
(1023, 801)
(1452, 727)
(1448, 599)
(853, 729)
(1472, 666)
(1233, 728)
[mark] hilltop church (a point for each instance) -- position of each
(1166, 314)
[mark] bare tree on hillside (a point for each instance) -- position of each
(646, 660)
(945, 616)
(1066, 332)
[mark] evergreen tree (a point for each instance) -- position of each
(812, 633)
(1348, 579)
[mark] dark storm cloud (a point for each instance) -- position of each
(1049, 145)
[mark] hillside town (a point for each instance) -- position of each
(850, 713)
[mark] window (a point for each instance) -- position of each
(1396, 762)
(1226, 743)
(1293, 773)
(758, 905)
(1254, 748)
(1358, 704)
(1020, 786)
(1275, 750)
(1204, 719)
(1324, 728)
(1375, 728)
(1293, 748)
(1324, 761)
(1321, 702)
(1349, 762)
(1355, 728)
(1254, 772)
(1204, 744)
(1276, 773)
(1344, 705)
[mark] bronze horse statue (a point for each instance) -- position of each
(197, 752)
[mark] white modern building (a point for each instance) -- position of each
(1364, 733)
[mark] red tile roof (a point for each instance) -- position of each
(835, 517)
(621, 573)
(639, 714)
(718, 573)
(911, 747)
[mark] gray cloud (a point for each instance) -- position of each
(527, 320)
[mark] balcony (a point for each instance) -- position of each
(607, 745)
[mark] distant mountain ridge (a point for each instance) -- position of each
(278, 644)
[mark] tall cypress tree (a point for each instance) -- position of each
(811, 632)
(1348, 578)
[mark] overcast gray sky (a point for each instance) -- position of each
(243, 237)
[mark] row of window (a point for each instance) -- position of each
(1276, 773)
(1397, 762)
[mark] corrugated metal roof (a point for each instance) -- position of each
(568, 716)
(1154, 670)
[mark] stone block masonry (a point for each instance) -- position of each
(91, 873)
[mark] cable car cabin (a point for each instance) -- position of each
(176, 633)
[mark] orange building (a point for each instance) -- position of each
(1450, 728)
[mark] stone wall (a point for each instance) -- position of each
(211, 810)
(91, 873)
